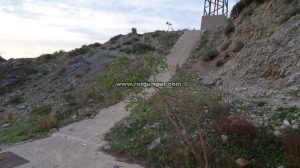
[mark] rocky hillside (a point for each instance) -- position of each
(242, 107)
(258, 47)
(65, 84)
(256, 56)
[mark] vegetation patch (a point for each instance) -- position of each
(238, 46)
(229, 28)
(185, 126)
(167, 129)
(167, 39)
(141, 48)
(261, 103)
(85, 49)
(281, 114)
(241, 5)
(21, 128)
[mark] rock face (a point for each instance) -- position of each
(271, 48)
(261, 53)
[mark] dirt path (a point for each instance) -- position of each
(76, 145)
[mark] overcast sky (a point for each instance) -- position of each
(30, 28)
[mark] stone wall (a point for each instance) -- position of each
(212, 22)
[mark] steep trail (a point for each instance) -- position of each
(76, 145)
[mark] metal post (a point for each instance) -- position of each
(215, 7)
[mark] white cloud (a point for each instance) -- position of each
(33, 27)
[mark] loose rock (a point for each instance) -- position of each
(6, 125)
(224, 138)
(154, 144)
(242, 162)
(53, 130)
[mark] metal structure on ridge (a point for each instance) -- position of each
(216, 7)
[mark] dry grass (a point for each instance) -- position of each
(46, 123)
(7, 117)
(241, 5)
(229, 28)
(225, 45)
(15, 99)
(197, 147)
(237, 127)
(291, 142)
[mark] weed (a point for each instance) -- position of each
(249, 142)
(207, 54)
(229, 28)
(45, 123)
(7, 118)
(114, 39)
(238, 46)
(291, 142)
(290, 113)
(206, 50)
(41, 110)
(141, 48)
(179, 112)
(168, 39)
(241, 5)
(156, 34)
(225, 45)
(289, 15)
(261, 103)
(220, 63)
(15, 99)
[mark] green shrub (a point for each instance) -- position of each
(114, 39)
(45, 123)
(241, 5)
(229, 28)
(261, 103)
(156, 34)
(168, 39)
(7, 118)
(175, 116)
(289, 15)
(41, 110)
(79, 51)
(141, 48)
(210, 55)
(220, 63)
(238, 46)
(207, 54)
(125, 70)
